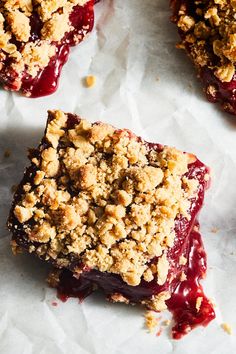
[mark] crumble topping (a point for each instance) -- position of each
(31, 55)
(20, 25)
(55, 28)
(183, 276)
(103, 197)
(209, 36)
(116, 297)
(199, 303)
(182, 260)
(158, 302)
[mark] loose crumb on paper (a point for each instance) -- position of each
(90, 81)
(214, 230)
(227, 328)
(150, 321)
(154, 324)
(166, 323)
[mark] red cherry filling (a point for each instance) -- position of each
(46, 81)
(183, 302)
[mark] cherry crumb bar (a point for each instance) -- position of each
(207, 31)
(111, 211)
(35, 40)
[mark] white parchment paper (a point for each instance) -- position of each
(148, 86)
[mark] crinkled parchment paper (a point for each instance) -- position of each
(145, 84)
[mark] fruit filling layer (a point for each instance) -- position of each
(115, 212)
(35, 41)
(207, 30)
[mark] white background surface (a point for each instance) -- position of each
(144, 84)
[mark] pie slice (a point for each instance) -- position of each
(35, 41)
(207, 31)
(111, 211)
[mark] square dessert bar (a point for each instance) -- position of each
(35, 40)
(112, 211)
(207, 31)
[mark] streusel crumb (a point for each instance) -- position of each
(227, 328)
(150, 321)
(158, 302)
(118, 298)
(198, 303)
(208, 34)
(90, 81)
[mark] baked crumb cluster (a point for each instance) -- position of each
(150, 321)
(208, 34)
(26, 54)
(105, 199)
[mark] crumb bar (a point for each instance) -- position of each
(35, 40)
(207, 31)
(109, 210)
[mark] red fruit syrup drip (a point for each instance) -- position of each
(183, 301)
